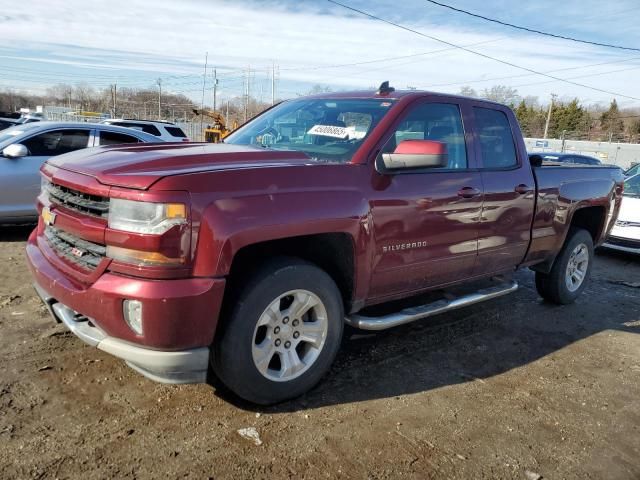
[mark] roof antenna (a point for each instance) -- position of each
(385, 89)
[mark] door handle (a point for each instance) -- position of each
(468, 192)
(522, 189)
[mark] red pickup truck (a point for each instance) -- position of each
(248, 258)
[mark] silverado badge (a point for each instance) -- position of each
(48, 217)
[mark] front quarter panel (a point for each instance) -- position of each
(236, 208)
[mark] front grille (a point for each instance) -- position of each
(75, 250)
(79, 201)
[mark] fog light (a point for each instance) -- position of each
(133, 315)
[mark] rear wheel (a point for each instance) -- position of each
(282, 335)
(570, 271)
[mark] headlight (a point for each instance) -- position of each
(44, 184)
(145, 217)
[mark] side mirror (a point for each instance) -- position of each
(417, 154)
(535, 160)
(16, 150)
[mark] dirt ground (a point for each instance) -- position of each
(513, 388)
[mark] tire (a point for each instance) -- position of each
(562, 285)
(259, 329)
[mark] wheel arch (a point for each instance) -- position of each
(333, 252)
(591, 218)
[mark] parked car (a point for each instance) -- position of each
(30, 118)
(625, 234)
(26, 147)
(632, 171)
(567, 158)
(7, 122)
(249, 257)
(167, 131)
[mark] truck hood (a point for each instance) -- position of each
(140, 165)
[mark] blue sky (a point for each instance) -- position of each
(316, 42)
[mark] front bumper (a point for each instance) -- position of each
(179, 317)
(187, 366)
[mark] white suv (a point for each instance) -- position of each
(167, 131)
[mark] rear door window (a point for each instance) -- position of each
(495, 137)
(176, 132)
(115, 138)
(57, 142)
(151, 129)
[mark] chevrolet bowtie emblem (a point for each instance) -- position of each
(48, 217)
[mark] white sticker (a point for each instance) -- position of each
(329, 131)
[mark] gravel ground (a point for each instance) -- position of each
(513, 388)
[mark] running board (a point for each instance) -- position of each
(423, 311)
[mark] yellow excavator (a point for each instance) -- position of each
(217, 131)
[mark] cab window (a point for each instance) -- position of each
(441, 122)
(495, 137)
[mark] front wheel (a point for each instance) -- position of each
(570, 271)
(282, 335)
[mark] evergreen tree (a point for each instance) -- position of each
(568, 119)
(610, 121)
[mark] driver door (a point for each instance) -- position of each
(426, 220)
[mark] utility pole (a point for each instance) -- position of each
(546, 125)
(246, 94)
(227, 115)
(204, 84)
(114, 96)
(159, 98)
(215, 89)
(273, 84)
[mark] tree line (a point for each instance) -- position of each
(569, 118)
(122, 102)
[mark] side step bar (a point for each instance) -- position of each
(423, 311)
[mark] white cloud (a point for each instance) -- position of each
(168, 38)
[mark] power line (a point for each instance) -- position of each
(480, 54)
(386, 59)
(531, 30)
(509, 77)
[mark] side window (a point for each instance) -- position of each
(140, 126)
(441, 122)
(57, 142)
(151, 129)
(495, 137)
(175, 132)
(632, 185)
(114, 138)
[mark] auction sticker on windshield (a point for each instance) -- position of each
(329, 131)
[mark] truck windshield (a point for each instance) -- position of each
(632, 186)
(327, 130)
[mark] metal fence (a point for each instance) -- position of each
(624, 155)
(193, 130)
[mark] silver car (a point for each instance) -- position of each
(26, 147)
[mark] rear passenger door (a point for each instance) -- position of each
(509, 190)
